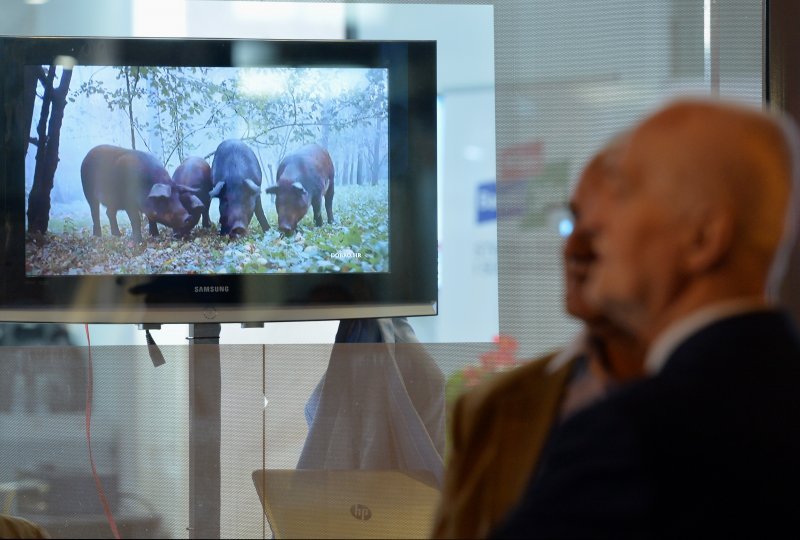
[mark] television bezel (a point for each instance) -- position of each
(409, 288)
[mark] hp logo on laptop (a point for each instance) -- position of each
(360, 512)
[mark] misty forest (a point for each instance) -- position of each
(176, 112)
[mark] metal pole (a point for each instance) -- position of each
(714, 46)
(205, 391)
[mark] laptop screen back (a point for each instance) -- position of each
(346, 504)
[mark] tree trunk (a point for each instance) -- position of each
(55, 100)
(351, 169)
(360, 180)
(326, 128)
(344, 171)
(31, 79)
(130, 106)
(375, 166)
(35, 198)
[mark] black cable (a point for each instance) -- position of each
(155, 352)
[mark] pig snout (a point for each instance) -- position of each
(289, 215)
(287, 223)
(183, 230)
(237, 231)
(236, 228)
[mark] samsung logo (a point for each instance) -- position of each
(212, 289)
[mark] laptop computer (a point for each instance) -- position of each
(303, 503)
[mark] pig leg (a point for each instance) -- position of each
(112, 221)
(206, 219)
(136, 224)
(316, 202)
(94, 207)
(329, 203)
(262, 219)
(153, 227)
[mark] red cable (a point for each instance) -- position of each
(100, 492)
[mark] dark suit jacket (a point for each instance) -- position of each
(708, 447)
(497, 431)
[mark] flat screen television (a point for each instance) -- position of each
(216, 180)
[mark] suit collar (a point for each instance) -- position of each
(669, 340)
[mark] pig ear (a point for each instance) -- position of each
(192, 203)
(160, 191)
(217, 189)
(252, 186)
(297, 186)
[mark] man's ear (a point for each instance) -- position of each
(712, 241)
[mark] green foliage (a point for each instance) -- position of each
(182, 107)
(357, 241)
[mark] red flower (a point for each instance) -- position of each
(503, 357)
(472, 376)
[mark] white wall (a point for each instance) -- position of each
(468, 310)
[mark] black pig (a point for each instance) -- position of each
(236, 176)
(194, 177)
(134, 181)
(303, 178)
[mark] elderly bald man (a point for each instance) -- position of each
(498, 429)
(708, 443)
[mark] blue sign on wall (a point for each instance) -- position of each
(487, 201)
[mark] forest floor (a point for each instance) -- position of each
(357, 241)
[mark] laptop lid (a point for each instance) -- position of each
(303, 503)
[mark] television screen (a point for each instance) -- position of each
(135, 132)
(189, 180)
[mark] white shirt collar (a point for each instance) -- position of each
(675, 334)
